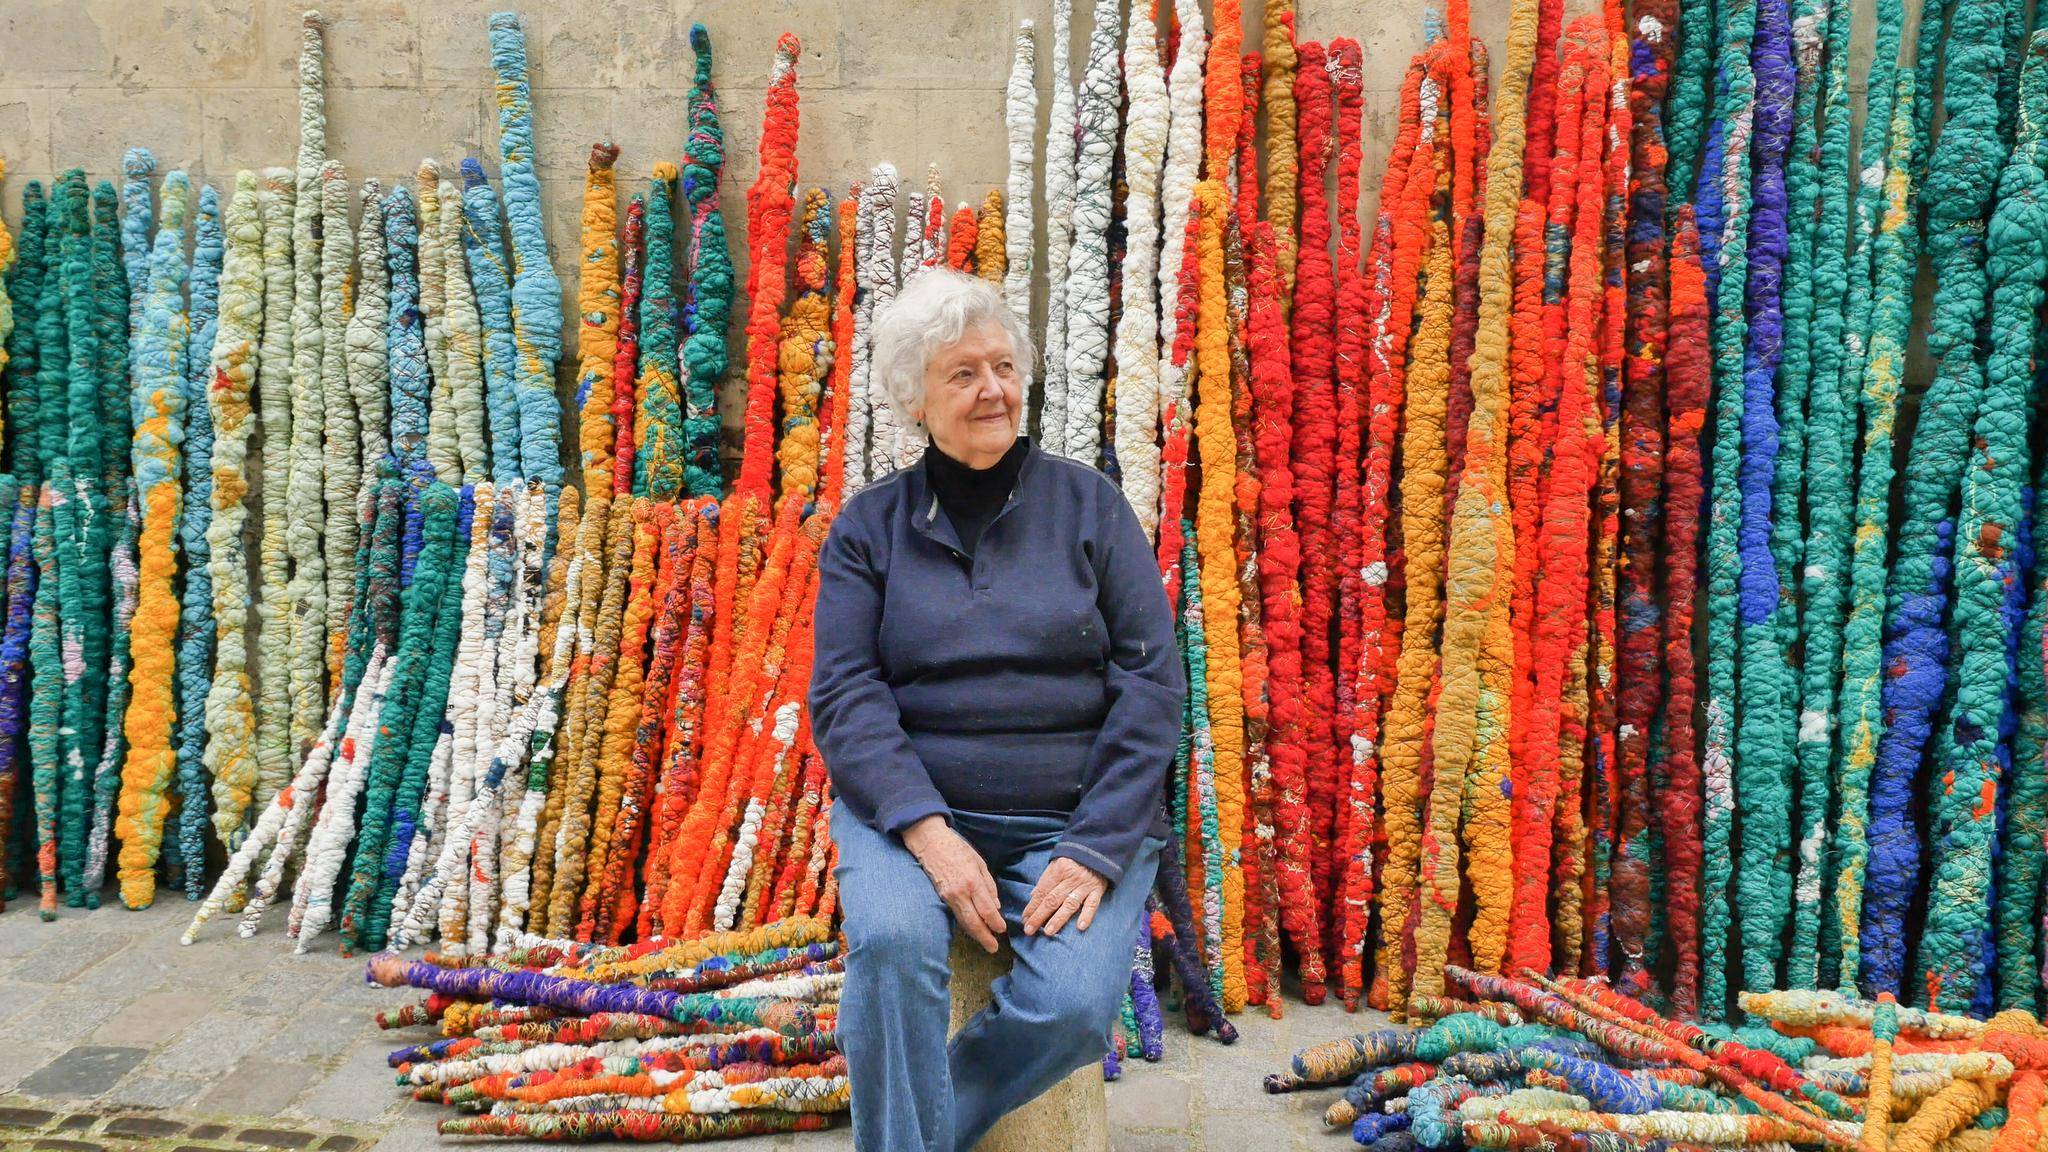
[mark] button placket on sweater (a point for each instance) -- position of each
(982, 579)
(977, 566)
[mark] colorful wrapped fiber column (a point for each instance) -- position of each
(1020, 122)
(1764, 784)
(1478, 646)
(708, 305)
(1313, 454)
(1176, 189)
(30, 270)
(301, 617)
(1097, 109)
(1880, 307)
(1830, 468)
(152, 718)
(1396, 235)
(107, 546)
(230, 715)
(1425, 468)
(1137, 333)
(1726, 167)
(536, 293)
(268, 751)
(659, 428)
(1989, 555)
(1960, 181)
(341, 467)
(1641, 491)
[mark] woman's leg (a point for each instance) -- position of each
(892, 1017)
(1053, 1012)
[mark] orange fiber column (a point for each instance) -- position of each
(1539, 787)
(1478, 648)
(1397, 236)
(1424, 466)
(1312, 452)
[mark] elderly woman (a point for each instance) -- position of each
(997, 695)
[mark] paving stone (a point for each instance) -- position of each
(136, 970)
(25, 935)
(1235, 1131)
(363, 1088)
(1150, 1101)
(1234, 1078)
(257, 1086)
(411, 1138)
(25, 1117)
(84, 1071)
(62, 960)
(63, 1017)
(16, 998)
(52, 1144)
(320, 1031)
(341, 1144)
(212, 1045)
(360, 995)
(158, 1015)
(146, 1089)
(276, 1138)
(77, 1122)
(283, 992)
(1148, 1142)
(143, 1127)
(1177, 1050)
(24, 1058)
(208, 1131)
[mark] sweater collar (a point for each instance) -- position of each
(924, 504)
(955, 482)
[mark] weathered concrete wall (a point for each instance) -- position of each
(208, 84)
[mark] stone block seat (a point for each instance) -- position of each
(1073, 1115)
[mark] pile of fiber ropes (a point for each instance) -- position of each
(1543, 1063)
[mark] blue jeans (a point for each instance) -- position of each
(912, 1091)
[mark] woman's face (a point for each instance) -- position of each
(973, 395)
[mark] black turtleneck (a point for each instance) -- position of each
(971, 497)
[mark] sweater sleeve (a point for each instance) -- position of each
(854, 719)
(1147, 689)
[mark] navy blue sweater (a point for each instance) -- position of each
(1039, 674)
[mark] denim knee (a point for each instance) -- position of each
(905, 935)
(1071, 1012)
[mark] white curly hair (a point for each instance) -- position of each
(934, 309)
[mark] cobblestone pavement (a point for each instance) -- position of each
(105, 1019)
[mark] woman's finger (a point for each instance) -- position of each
(1071, 900)
(1045, 895)
(1038, 907)
(1088, 907)
(1058, 919)
(970, 921)
(988, 907)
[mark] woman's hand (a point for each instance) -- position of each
(1066, 890)
(960, 876)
